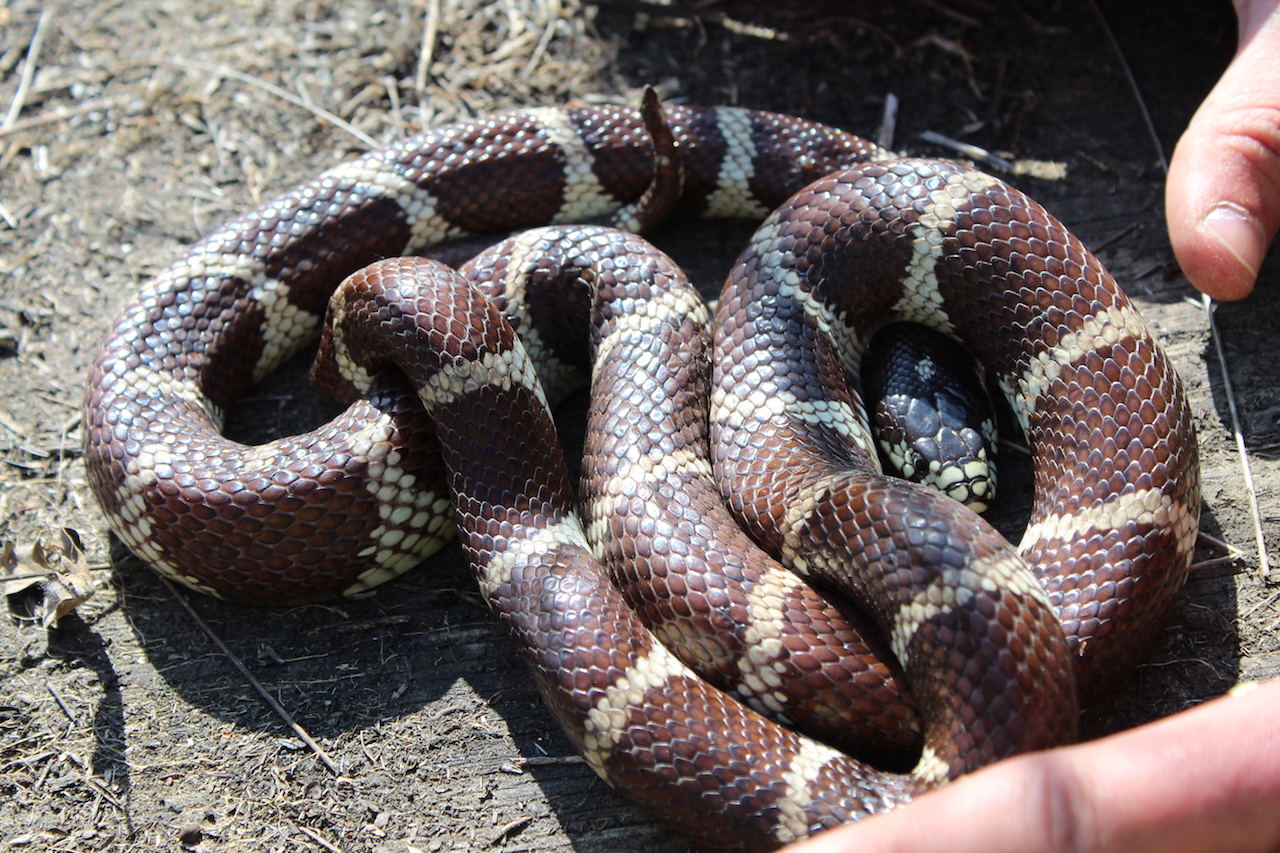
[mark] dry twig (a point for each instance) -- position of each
(57, 115)
(1133, 84)
(430, 31)
(317, 838)
(1264, 564)
(283, 94)
(28, 70)
(257, 685)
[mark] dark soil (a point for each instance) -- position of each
(128, 728)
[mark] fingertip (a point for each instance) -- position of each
(1219, 242)
(1225, 251)
(1223, 193)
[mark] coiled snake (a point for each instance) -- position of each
(360, 500)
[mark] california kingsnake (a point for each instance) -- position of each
(352, 504)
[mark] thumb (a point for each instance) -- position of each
(1223, 194)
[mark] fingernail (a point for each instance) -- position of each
(1239, 234)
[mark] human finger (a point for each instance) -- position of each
(1222, 198)
(1203, 781)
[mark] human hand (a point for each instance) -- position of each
(1203, 781)
(1223, 194)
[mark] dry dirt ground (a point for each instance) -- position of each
(146, 123)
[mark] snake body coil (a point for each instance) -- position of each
(361, 499)
(334, 511)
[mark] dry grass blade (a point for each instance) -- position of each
(1264, 564)
(283, 94)
(1261, 605)
(317, 838)
(430, 32)
(28, 70)
(1222, 545)
(973, 152)
(257, 685)
(56, 115)
(1133, 84)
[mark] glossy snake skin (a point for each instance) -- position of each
(1116, 479)
(328, 513)
(360, 500)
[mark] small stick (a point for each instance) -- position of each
(1264, 565)
(1274, 597)
(51, 116)
(1116, 238)
(888, 122)
(1213, 561)
(973, 152)
(28, 70)
(284, 94)
(393, 95)
(39, 576)
(430, 30)
(547, 33)
(317, 838)
(1231, 550)
(61, 704)
(257, 685)
(1133, 84)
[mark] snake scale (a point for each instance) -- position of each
(666, 697)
